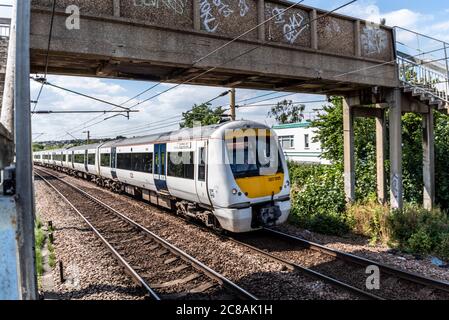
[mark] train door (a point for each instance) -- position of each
(114, 162)
(201, 172)
(86, 154)
(160, 168)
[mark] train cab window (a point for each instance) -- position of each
(249, 158)
(202, 165)
(91, 159)
(105, 160)
(180, 165)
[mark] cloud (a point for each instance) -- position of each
(369, 10)
(93, 85)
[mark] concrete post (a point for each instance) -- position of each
(24, 169)
(349, 159)
(7, 108)
(232, 104)
(314, 29)
(357, 39)
(116, 9)
(196, 16)
(380, 157)
(261, 19)
(396, 189)
(428, 160)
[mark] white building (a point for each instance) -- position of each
(297, 140)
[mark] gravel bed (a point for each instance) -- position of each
(390, 287)
(360, 246)
(259, 275)
(91, 272)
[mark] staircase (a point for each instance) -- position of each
(4, 40)
(6, 141)
(424, 73)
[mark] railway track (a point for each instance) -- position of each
(339, 269)
(343, 268)
(162, 269)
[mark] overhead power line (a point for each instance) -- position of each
(45, 82)
(78, 111)
(47, 54)
(240, 55)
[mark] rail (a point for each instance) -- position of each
(405, 275)
(211, 274)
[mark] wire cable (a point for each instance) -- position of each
(47, 57)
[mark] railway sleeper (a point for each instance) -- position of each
(176, 282)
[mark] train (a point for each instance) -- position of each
(231, 176)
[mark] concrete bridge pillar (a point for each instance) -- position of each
(349, 160)
(428, 160)
(395, 122)
(380, 156)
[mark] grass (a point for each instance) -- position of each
(42, 240)
(52, 255)
(39, 235)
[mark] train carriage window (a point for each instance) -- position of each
(91, 159)
(147, 160)
(180, 165)
(124, 161)
(139, 162)
(105, 160)
(79, 158)
(69, 156)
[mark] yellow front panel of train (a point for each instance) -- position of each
(261, 186)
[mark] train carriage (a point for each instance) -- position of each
(231, 175)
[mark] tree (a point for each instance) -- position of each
(329, 127)
(330, 133)
(203, 114)
(38, 147)
(286, 112)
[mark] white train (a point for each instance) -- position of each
(231, 176)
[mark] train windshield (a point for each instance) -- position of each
(253, 155)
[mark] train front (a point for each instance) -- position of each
(249, 183)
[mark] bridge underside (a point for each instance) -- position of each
(118, 47)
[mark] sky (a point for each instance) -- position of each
(162, 113)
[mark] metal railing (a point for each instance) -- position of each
(423, 63)
(5, 30)
(5, 27)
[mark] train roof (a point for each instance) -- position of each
(85, 147)
(192, 133)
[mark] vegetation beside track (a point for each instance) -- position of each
(318, 190)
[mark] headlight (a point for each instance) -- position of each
(288, 183)
(234, 191)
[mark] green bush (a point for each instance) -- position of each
(443, 247)
(417, 230)
(370, 219)
(318, 199)
(420, 242)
